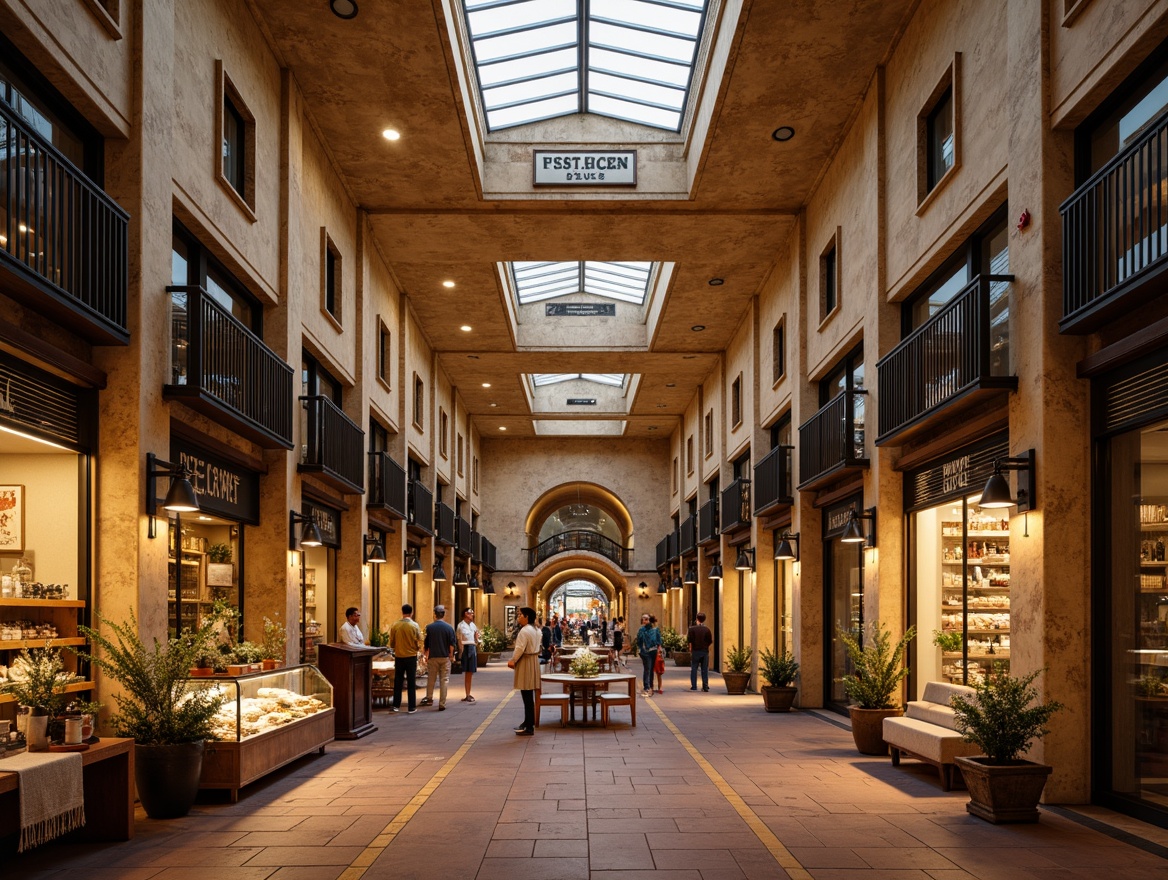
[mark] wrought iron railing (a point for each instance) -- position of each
(421, 507)
(674, 540)
(963, 347)
(688, 535)
(462, 535)
(216, 358)
(575, 540)
(772, 479)
(476, 547)
(444, 524)
(333, 444)
(59, 227)
(1115, 230)
(708, 522)
(833, 438)
(490, 555)
(663, 552)
(736, 505)
(387, 484)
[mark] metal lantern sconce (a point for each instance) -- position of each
(374, 550)
(642, 589)
(474, 582)
(308, 536)
(716, 570)
(996, 494)
(785, 551)
(745, 560)
(460, 576)
(663, 587)
(512, 590)
(438, 574)
(488, 587)
(413, 562)
(180, 497)
(691, 575)
(854, 531)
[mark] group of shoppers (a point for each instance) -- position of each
(438, 649)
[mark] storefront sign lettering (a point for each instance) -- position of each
(584, 167)
(955, 474)
(580, 310)
(224, 488)
(837, 519)
(327, 520)
(211, 481)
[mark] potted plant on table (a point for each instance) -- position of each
(779, 670)
(737, 672)
(168, 716)
(878, 671)
(1003, 719)
(37, 681)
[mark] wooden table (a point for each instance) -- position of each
(587, 688)
(563, 661)
(108, 777)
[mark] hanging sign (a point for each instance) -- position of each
(224, 488)
(836, 518)
(584, 168)
(327, 520)
(962, 472)
(580, 310)
(581, 401)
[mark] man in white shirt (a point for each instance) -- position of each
(350, 632)
(468, 643)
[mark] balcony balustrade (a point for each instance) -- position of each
(333, 445)
(420, 512)
(831, 442)
(387, 485)
(708, 522)
(674, 540)
(461, 536)
(444, 518)
(688, 535)
(490, 555)
(735, 505)
(772, 481)
(576, 540)
(663, 552)
(475, 548)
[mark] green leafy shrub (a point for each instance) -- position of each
(37, 679)
(779, 670)
(1001, 719)
(947, 641)
(878, 667)
(493, 639)
(738, 659)
(671, 639)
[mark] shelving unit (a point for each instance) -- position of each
(64, 614)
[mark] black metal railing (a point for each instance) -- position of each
(333, 445)
(61, 228)
(833, 438)
(688, 535)
(476, 547)
(444, 522)
(708, 522)
(387, 484)
(674, 540)
(421, 507)
(575, 540)
(490, 555)
(1115, 231)
(216, 359)
(462, 535)
(735, 505)
(963, 347)
(663, 552)
(772, 480)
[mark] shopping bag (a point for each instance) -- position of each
(659, 663)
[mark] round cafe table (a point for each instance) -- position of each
(587, 688)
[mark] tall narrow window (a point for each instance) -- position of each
(331, 260)
(419, 401)
(938, 135)
(675, 475)
(779, 350)
(689, 454)
(940, 138)
(475, 473)
(236, 135)
(384, 353)
(829, 280)
(443, 433)
(234, 145)
(736, 402)
(709, 450)
(459, 453)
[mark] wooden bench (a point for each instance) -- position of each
(562, 701)
(108, 778)
(928, 731)
(607, 701)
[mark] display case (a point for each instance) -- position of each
(267, 720)
(36, 623)
(975, 590)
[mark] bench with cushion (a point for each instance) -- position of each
(928, 731)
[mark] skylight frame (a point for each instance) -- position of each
(612, 380)
(611, 31)
(626, 281)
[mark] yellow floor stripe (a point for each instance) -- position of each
(781, 854)
(385, 837)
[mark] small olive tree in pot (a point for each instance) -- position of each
(1003, 719)
(779, 670)
(878, 671)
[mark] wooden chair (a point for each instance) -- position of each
(608, 700)
(559, 700)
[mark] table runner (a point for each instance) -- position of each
(52, 795)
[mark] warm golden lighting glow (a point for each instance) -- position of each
(391, 134)
(448, 283)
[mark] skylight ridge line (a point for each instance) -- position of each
(699, 8)
(644, 28)
(532, 54)
(523, 28)
(640, 102)
(491, 4)
(547, 97)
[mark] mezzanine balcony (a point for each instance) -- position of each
(708, 523)
(333, 446)
(735, 506)
(576, 540)
(772, 481)
(831, 442)
(387, 486)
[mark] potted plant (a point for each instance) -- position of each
(878, 672)
(37, 681)
(493, 642)
(779, 670)
(220, 571)
(244, 656)
(737, 672)
(948, 642)
(274, 645)
(1003, 719)
(166, 715)
(675, 646)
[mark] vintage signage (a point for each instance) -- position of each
(581, 401)
(835, 519)
(224, 488)
(580, 310)
(328, 521)
(962, 472)
(584, 167)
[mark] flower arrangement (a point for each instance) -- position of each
(584, 665)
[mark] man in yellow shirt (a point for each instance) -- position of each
(405, 637)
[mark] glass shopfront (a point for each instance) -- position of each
(959, 569)
(319, 620)
(844, 588)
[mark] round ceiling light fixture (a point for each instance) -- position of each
(698, 328)
(660, 406)
(783, 133)
(466, 328)
(448, 284)
(502, 427)
(486, 384)
(688, 357)
(670, 384)
(473, 357)
(494, 404)
(391, 134)
(345, 9)
(716, 282)
(652, 428)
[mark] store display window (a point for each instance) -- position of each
(844, 586)
(205, 558)
(318, 565)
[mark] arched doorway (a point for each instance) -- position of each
(579, 599)
(577, 517)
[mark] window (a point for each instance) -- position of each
(937, 133)
(940, 139)
(848, 375)
(689, 454)
(829, 279)
(1144, 99)
(779, 350)
(378, 436)
(475, 474)
(419, 402)
(736, 402)
(331, 277)
(709, 433)
(443, 433)
(316, 381)
(460, 471)
(384, 353)
(236, 144)
(623, 282)
(675, 475)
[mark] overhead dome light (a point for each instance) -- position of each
(494, 404)
(345, 9)
(698, 328)
(783, 133)
(716, 282)
(486, 384)
(448, 283)
(466, 328)
(502, 427)
(391, 134)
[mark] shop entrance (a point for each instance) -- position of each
(844, 589)
(582, 602)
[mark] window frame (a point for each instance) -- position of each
(709, 432)
(227, 94)
(201, 264)
(949, 84)
(689, 455)
(844, 367)
(830, 297)
(779, 351)
(736, 402)
(384, 353)
(419, 413)
(459, 455)
(443, 434)
(332, 277)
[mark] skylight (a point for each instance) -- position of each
(617, 380)
(628, 59)
(626, 282)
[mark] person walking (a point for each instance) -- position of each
(618, 641)
(468, 641)
(525, 662)
(603, 630)
(545, 641)
(699, 638)
(406, 640)
(438, 654)
(648, 644)
(350, 630)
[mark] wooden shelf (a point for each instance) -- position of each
(74, 688)
(1156, 564)
(17, 644)
(42, 603)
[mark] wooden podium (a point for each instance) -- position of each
(349, 670)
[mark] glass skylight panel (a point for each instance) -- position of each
(638, 57)
(616, 380)
(627, 282)
(623, 281)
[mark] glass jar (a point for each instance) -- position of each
(22, 572)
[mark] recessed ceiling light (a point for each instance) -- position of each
(688, 357)
(466, 328)
(716, 282)
(391, 134)
(670, 384)
(783, 133)
(494, 404)
(205, 518)
(473, 357)
(652, 427)
(447, 283)
(698, 328)
(345, 9)
(660, 406)
(502, 427)
(486, 384)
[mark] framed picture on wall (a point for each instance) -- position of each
(11, 518)
(511, 616)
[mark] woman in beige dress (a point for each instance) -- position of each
(525, 662)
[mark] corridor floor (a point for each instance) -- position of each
(706, 787)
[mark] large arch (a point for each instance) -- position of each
(578, 492)
(559, 570)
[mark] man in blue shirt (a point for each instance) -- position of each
(438, 653)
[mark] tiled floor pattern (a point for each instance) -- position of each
(621, 804)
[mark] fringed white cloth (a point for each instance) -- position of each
(52, 795)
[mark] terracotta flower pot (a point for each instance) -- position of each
(868, 729)
(736, 682)
(778, 699)
(682, 658)
(1003, 792)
